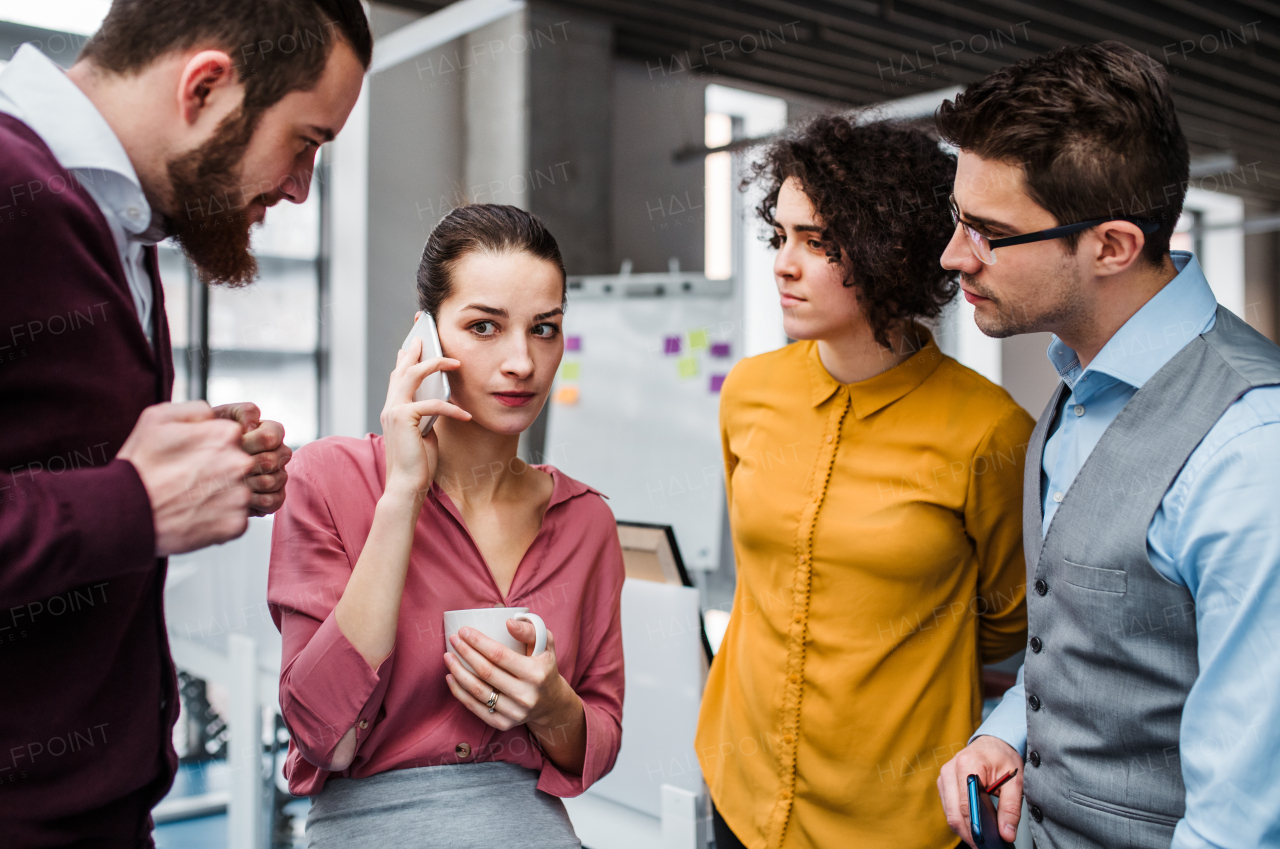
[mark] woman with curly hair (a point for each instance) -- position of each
(875, 495)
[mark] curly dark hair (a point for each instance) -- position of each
(880, 190)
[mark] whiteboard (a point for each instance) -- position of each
(634, 411)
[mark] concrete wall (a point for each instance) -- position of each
(496, 102)
(571, 110)
(656, 204)
(416, 165)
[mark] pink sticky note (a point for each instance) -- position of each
(671, 345)
(720, 349)
(573, 343)
(717, 380)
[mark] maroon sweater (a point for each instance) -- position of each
(88, 696)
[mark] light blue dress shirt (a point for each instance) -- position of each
(1217, 533)
(37, 92)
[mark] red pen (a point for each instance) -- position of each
(994, 787)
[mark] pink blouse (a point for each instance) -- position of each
(405, 715)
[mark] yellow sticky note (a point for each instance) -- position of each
(687, 367)
(570, 371)
(567, 395)
(698, 340)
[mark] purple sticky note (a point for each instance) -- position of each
(717, 380)
(573, 343)
(671, 345)
(720, 349)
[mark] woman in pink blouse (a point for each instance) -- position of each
(380, 536)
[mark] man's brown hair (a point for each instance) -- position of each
(279, 46)
(1093, 127)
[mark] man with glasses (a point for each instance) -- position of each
(1147, 713)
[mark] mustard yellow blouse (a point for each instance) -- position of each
(878, 534)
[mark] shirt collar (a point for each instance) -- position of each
(1164, 325)
(564, 487)
(875, 393)
(74, 130)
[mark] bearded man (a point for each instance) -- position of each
(182, 119)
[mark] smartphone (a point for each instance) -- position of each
(982, 818)
(434, 387)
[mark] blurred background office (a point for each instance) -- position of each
(626, 125)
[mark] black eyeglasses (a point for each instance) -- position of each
(984, 248)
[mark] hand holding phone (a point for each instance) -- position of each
(982, 817)
(435, 386)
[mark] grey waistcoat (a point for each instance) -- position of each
(1113, 643)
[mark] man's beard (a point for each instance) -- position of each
(1058, 302)
(208, 217)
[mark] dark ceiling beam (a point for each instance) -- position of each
(827, 64)
(890, 52)
(994, 59)
(627, 44)
(1266, 7)
(640, 21)
(1213, 17)
(1081, 24)
(852, 51)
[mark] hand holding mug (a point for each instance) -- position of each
(529, 687)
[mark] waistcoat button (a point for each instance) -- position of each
(1036, 645)
(462, 750)
(1041, 586)
(1036, 814)
(1034, 701)
(1035, 759)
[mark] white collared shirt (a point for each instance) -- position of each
(37, 92)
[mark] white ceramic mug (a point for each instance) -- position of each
(492, 622)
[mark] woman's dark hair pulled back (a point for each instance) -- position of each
(485, 227)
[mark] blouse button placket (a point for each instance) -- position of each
(794, 689)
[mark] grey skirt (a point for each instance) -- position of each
(459, 806)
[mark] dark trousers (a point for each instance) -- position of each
(725, 839)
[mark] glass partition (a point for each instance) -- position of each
(260, 343)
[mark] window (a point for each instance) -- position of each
(260, 343)
(1211, 228)
(733, 230)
